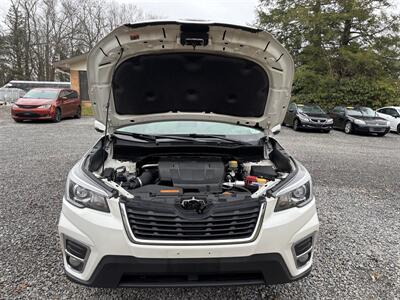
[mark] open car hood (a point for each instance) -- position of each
(178, 70)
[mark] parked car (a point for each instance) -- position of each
(307, 116)
(47, 104)
(359, 119)
(188, 186)
(391, 114)
(10, 95)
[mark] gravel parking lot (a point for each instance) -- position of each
(356, 183)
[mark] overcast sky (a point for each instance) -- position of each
(232, 11)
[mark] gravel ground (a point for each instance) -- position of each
(356, 183)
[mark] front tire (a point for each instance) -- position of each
(326, 131)
(57, 116)
(348, 128)
(398, 129)
(382, 134)
(296, 125)
(18, 121)
(78, 113)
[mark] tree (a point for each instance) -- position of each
(345, 51)
(40, 32)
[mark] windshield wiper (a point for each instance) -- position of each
(157, 138)
(140, 136)
(219, 137)
(197, 138)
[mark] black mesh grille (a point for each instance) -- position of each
(303, 246)
(161, 222)
(27, 106)
(76, 249)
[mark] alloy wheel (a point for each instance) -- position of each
(348, 128)
(296, 125)
(57, 117)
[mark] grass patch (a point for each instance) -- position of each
(87, 111)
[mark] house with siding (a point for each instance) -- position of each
(76, 68)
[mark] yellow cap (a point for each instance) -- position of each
(233, 164)
(261, 180)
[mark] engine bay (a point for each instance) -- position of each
(183, 174)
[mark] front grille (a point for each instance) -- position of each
(28, 106)
(234, 220)
(319, 120)
(377, 129)
(28, 114)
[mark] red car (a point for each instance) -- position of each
(47, 104)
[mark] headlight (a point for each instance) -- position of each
(45, 106)
(83, 197)
(296, 198)
(303, 118)
(329, 121)
(359, 122)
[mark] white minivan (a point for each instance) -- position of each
(187, 186)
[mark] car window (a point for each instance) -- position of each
(63, 94)
(74, 95)
(189, 127)
(311, 109)
(41, 94)
(338, 110)
(361, 112)
(70, 94)
(292, 106)
(392, 112)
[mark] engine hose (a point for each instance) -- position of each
(147, 177)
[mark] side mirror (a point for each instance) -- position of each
(276, 130)
(99, 127)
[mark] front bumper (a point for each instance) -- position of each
(115, 261)
(32, 113)
(315, 125)
(128, 271)
(370, 129)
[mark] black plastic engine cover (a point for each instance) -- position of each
(193, 173)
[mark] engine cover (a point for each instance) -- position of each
(193, 173)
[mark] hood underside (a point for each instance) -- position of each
(167, 70)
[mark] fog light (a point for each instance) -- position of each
(302, 260)
(76, 254)
(302, 251)
(75, 263)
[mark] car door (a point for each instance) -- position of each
(334, 114)
(63, 100)
(70, 103)
(74, 102)
(393, 118)
(342, 118)
(384, 113)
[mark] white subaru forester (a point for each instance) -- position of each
(187, 187)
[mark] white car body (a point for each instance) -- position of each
(101, 243)
(391, 114)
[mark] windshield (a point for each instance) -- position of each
(311, 109)
(361, 112)
(41, 94)
(191, 127)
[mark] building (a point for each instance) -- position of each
(26, 85)
(76, 68)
